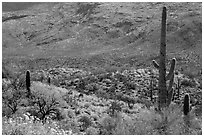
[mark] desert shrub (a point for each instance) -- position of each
(177, 125)
(191, 73)
(125, 125)
(87, 105)
(6, 72)
(5, 84)
(21, 126)
(150, 122)
(85, 122)
(92, 131)
(24, 102)
(69, 113)
(6, 111)
(86, 8)
(39, 75)
(102, 94)
(111, 69)
(92, 87)
(130, 85)
(91, 79)
(114, 108)
(98, 71)
(81, 85)
(11, 100)
(120, 77)
(69, 124)
(108, 124)
(188, 83)
(101, 77)
(114, 33)
(70, 100)
(17, 82)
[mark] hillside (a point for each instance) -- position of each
(90, 68)
(15, 6)
(112, 32)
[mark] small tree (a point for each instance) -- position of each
(44, 105)
(11, 100)
(12, 94)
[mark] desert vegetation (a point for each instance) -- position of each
(103, 93)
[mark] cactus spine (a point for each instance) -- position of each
(28, 82)
(186, 105)
(165, 94)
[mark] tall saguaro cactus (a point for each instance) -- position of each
(165, 94)
(28, 82)
(162, 66)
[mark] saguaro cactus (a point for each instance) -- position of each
(28, 82)
(186, 104)
(165, 94)
(186, 110)
(49, 80)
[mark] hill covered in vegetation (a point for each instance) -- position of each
(91, 71)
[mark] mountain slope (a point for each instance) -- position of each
(117, 33)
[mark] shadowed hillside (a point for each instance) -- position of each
(15, 6)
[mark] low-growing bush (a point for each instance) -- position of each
(70, 100)
(92, 131)
(114, 108)
(92, 88)
(188, 83)
(85, 122)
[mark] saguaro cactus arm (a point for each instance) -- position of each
(170, 95)
(156, 65)
(171, 82)
(171, 71)
(170, 90)
(172, 68)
